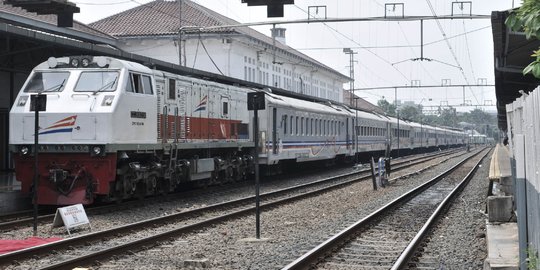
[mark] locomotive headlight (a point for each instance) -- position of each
(22, 101)
(85, 62)
(24, 150)
(107, 100)
(52, 62)
(74, 62)
(101, 61)
(96, 150)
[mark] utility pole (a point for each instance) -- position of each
(180, 33)
(351, 54)
(397, 116)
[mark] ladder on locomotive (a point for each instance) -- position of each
(182, 113)
(179, 132)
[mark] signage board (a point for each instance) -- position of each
(71, 217)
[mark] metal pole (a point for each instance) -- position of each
(422, 40)
(36, 175)
(464, 95)
(397, 115)
(180, 34)
(519, 173)
(257, 184)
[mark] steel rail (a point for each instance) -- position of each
(310, 258)
(418, 238)
(49, 217)
(67, 243)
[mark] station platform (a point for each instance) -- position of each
(11, 199)
(500, 172)
(501, 233)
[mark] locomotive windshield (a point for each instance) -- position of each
(97, 81)
(47, 82)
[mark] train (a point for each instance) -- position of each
(114, 129)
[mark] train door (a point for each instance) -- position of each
(4, 115)
(388, 139)
(274, 131)
(347, 134)
(171, 112)
(200, 124)
(225, 128)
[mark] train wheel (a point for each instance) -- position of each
(140, 190)
(163, 186)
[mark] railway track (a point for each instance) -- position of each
(87, 249)
(390, 236)
(24, 218)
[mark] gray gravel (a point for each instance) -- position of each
(287, 231)
(458, 241)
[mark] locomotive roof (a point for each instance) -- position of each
(113, 63)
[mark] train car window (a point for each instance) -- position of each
(97, 81)
(302, 126)
(225, 107)
(292, 125)
(147, 82)
(47, 82)
(307, 123)
(172, 89)
(136, 83)
(296, 127)
(311, 128)
(284, 124)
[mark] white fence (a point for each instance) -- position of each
(523, 117)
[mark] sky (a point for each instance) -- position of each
(384, 48)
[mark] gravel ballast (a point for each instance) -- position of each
(287, 231)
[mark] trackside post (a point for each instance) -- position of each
(256, 103)
(37, 103)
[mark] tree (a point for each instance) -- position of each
(527, 19)
(388, 108)
(411, 113)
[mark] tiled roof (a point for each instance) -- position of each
(50, 19)
(161, 17)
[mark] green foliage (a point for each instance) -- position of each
(532, 258)
(476, 119)
(389, 109)
(527, 20)
(411, 113)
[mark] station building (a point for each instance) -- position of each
(188, 34)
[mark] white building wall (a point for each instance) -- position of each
(242, 59)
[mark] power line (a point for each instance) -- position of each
(450, 47)
(345, 36)
(469, 52)
(395, 46)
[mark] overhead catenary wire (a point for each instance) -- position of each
(397, 46)
(357, 43)
(211, 59)
(469, 52)
(450, 47)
